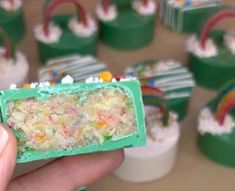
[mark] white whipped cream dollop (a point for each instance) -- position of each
(7, 5)
(149, 9)
(194, 47)
(229, 40)
(80, 30)
(13, 71)
(156, 129)
(208, 124)
(109, 16)
(53, 36)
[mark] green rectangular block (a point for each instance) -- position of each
(71, 119)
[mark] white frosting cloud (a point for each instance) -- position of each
(53, 36)
(229, 40)
(7, 5)
(80, 30)
(194, 47)
(109, 16)
(149, 9)
(208, 124)
(13, 71)
(157, 131)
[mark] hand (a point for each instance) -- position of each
(63, 174)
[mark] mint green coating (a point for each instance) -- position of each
(218, 148)
(214, 72)
(129, 31)
(13, 23)
(69, 43)
(131, 88)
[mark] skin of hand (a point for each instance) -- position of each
(64, 174)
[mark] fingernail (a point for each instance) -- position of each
(3, 139)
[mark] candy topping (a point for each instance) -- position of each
(106, 76)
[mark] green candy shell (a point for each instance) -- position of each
(13, 23)
(128, 31)
(132, 88)
(69, 43)
(214, 72)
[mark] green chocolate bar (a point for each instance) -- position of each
(71, 119)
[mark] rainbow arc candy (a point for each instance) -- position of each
(225, 103)
(154, 96)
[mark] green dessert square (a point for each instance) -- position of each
(70, 119)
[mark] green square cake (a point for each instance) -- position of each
(69, 119)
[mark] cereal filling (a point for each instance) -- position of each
(72, 120)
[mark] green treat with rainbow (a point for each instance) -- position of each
(12, 19)
(173, 80)
(127, 25)
(153, 96)
(212, 53)
(66, 119)
(65, 34)
(217, 127)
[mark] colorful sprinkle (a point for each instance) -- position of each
(106, 76)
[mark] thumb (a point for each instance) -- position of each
(7, 155)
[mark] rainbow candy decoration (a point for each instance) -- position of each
(225, 102)
(154, 96)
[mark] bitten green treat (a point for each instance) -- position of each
(12, 19)
(67, 119)
(186, 15)
(128, 26)
(212, 58)
(63, 35)
(216, 137)
(175, 82)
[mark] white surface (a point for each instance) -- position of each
(157, 157)
(147, 163)
(193, 46)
